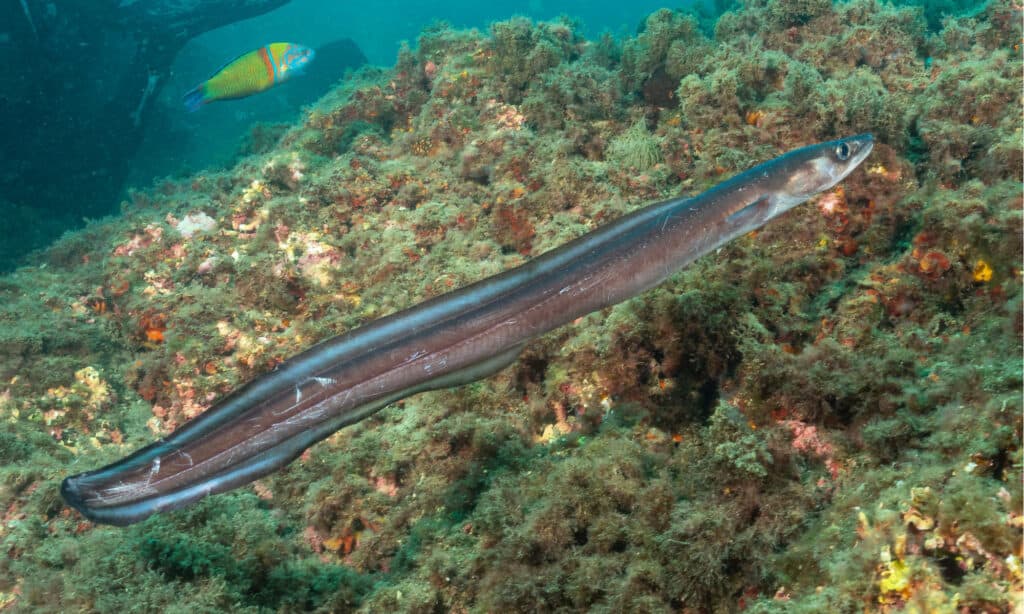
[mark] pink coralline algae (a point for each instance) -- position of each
(807, 440)
(150, 234)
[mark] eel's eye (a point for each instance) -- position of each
(842, 151)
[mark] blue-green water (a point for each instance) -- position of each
(90, 97)
(379, 29)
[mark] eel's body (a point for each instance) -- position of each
(449, 340)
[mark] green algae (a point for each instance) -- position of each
(823, 415)
(635, 148)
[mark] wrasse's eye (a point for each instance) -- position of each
(842, 151)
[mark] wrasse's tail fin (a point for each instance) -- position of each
(196, 98)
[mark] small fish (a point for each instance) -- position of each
(251, 73)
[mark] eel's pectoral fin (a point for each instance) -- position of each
(758, 206)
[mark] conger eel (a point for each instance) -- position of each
(446, 341)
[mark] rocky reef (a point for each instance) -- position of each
(825, 415)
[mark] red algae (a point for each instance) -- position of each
(822, 415)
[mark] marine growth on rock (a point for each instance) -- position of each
(823, 415)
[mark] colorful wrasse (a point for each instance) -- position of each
(251, 73)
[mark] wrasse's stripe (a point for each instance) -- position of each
(275, 59)
(268, 63)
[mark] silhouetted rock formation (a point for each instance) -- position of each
(76, 83)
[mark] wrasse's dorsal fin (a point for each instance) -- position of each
(235, 59)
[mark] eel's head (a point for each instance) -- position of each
(811, 170)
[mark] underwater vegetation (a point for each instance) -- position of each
(826, 415)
